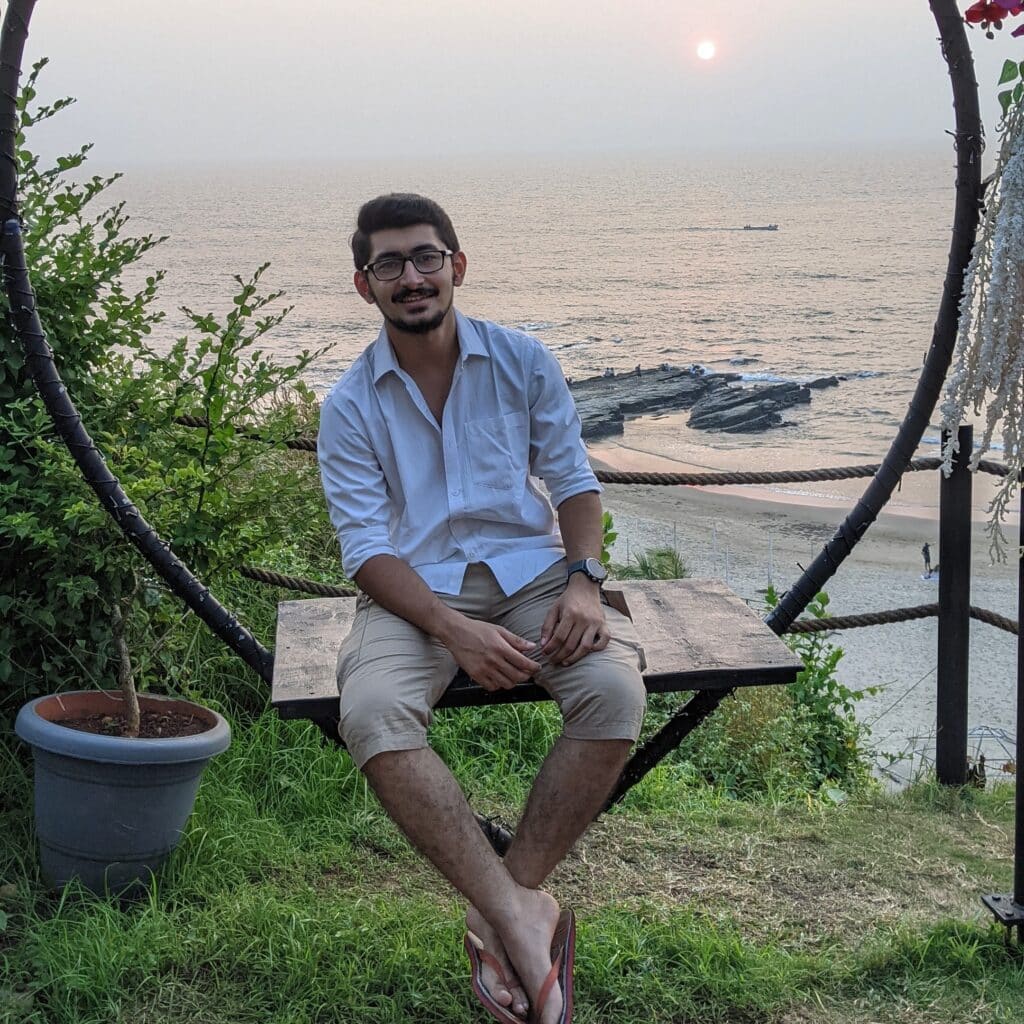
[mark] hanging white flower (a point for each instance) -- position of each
(988, 362)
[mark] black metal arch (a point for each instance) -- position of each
(182, 582)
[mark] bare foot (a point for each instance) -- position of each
(515, 997)
(526, 933)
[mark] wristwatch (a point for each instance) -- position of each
(591, 568)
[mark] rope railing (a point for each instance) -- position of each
(711, 479)
(827, 624)
(921, 611)
(296, 583)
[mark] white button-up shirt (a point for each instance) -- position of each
(440, 496)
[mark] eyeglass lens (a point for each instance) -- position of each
(427, 262)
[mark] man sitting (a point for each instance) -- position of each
(429, 447)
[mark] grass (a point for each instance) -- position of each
(293, 899)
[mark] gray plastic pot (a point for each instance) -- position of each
(110, 810)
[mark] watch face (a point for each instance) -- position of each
(596, 571)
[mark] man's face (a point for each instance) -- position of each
(415, 302)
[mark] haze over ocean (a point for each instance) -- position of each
(614, 262)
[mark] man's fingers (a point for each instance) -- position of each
(569, 645)
(590, 639)
(513, 655)
(520, 643)
(550, 621)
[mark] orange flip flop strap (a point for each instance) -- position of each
(545, 989)
(492, 961)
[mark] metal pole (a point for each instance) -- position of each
(1018, 835)
(1008, 908)
(954, 615)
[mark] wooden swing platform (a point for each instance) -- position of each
(697, 635)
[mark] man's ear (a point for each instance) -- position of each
(359, 279)
(458, 268)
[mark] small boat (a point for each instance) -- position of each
(760, 227)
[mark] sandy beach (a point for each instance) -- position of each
(753, 536)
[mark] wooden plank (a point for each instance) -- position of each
(697, 634)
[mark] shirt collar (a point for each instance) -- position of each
(383, 359)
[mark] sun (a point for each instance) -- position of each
(705, 49)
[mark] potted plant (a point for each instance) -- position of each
(116, 775)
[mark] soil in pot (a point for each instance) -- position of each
(152, 724)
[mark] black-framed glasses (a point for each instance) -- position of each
(390, 268)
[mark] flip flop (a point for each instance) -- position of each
(478, 956)
(563, 955)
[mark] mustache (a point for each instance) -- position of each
(409, 293)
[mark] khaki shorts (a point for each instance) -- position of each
(391, 673)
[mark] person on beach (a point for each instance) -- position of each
(429, 447)
(926, 553)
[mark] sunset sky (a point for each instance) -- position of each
(335, 79)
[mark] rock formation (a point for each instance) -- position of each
(717, 400)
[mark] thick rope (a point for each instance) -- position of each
(276, 579)
(717, 478)
(921, 611)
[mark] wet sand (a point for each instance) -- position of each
(755, 536)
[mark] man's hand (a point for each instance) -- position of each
(490, 655)
(575, 625)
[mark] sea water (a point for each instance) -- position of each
(614, 263)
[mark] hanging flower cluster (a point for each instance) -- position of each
(988, 370)
(990, 14)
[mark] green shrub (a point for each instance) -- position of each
(63, 563)
(661, 563)
(834, 739)
(786, 741)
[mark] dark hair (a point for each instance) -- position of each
(399, 210)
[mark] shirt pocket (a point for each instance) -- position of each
(497, 451)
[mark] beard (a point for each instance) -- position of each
(417, 326)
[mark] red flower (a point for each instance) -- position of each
(991, 10)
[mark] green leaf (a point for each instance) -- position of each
(1009, 72)
(1018, 91)
(1005, 99)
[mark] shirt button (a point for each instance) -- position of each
(455, 492)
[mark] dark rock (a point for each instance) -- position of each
(786, 393)
(749, 426)
(718, 403)
(604, 402)
(758, 414)
(824, 382)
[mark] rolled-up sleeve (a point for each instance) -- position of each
(354, 485)
(557, 452)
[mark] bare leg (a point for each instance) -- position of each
(424, 800)
(569, 791)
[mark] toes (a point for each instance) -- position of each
(520, 1005)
